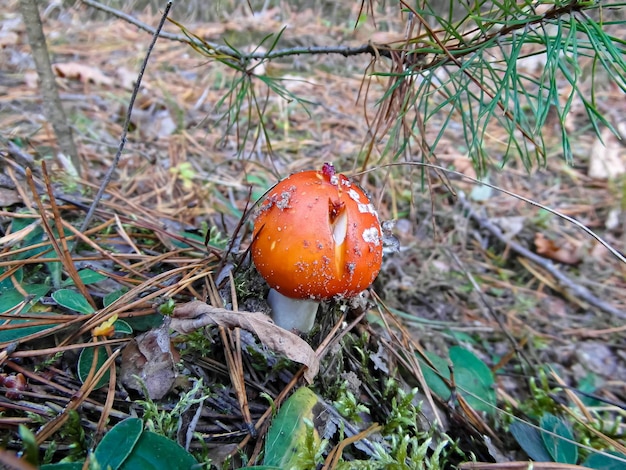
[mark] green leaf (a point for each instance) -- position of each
(88, 276)
(287, 434)
(86, 359)
(192, 237)
(529, 439)
(434, 381)
(145, 322)
(19, 333)
(72, 300)
(473, 379)
(155, 452)
(560, 449)
(113, 296)
(34, 237)
(55, 268)
(606, 462)
(29, 442)
(10, 299)
(7, 283)
(117, 445)
(122, 327)
(62, 466)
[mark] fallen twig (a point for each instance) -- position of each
(118, 155)
(567, 283)
(221, 49)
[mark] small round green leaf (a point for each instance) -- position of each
(155, 452)
(122, 327)
(529, 439)
(85, 360)
(72, 300)
(88, 276)
(558, 439)
(610, 461)
(474, 379)
(11, 298)
(113, 296)
(118, 443)
(433, 379)
(145, 322)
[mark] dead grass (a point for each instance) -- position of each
(451, 282)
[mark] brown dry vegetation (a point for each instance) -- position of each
(185, 168)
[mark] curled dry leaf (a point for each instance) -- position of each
(149, 356)
(9, 196)
(565, 253)
(13, 384)
(82, 73)
(607, 159)
(194, 315)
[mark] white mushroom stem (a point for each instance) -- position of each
(292, 314)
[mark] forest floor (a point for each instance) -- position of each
(187, 169)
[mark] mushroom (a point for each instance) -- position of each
(316, 236)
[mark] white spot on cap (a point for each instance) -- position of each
(354, 195)
(366, 208)
(371, 235)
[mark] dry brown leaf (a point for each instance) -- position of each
(8, 197)
(565, 253)
(8, 38)
(154, 123)
(126, 78)
(82, 73)
(149, 356)
(607, 159)
(194, 315)
(31, 79)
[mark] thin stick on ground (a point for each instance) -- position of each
(577, 290)
(118, 155)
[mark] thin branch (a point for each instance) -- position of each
(567, 283)
(52, 107)
(118, 155)
(532, 202)
(375, 50)
(225, 50)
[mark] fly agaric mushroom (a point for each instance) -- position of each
(316, 236)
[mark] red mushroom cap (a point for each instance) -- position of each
(317, 236)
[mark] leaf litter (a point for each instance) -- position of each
(149, 247)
